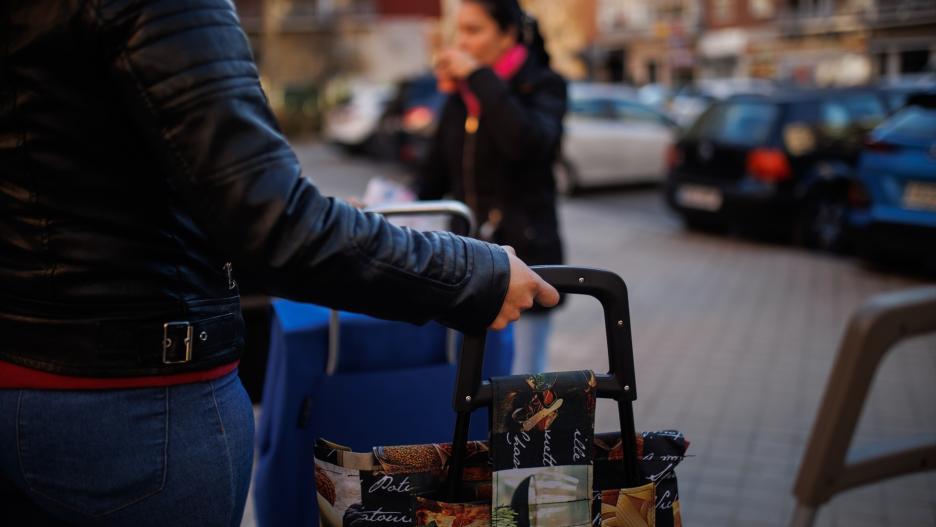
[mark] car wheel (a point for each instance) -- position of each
(822, 223)
(566, 177)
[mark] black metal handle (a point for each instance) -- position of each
(619, 383)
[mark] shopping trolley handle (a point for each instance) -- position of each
(609, 289)
(451, 208)
(471, 393)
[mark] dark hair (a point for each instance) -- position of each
(509, 15)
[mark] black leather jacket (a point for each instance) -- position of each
(138, 160)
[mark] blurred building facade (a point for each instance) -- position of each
(811, 42)
(902, 37)
(569, 27)
(301, 45)
(298, 41)
(391, 41)
(645, 42)
(736, 38)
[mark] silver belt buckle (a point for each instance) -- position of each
(174, 335)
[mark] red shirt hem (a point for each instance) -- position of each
(16, 376)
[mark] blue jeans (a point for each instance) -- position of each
(178, 455)
(531, 343)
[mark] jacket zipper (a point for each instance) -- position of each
(468, 155)
(229, 269)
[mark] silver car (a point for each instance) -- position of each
(611, 138)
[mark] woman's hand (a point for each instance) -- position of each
(455, 64)
(524, 288)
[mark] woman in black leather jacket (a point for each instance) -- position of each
(498, 136)
(140, 168)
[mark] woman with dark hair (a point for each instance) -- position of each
(498, 136)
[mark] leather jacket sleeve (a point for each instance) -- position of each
(522, 130)
(187, 77)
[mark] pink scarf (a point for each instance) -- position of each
(506, 67)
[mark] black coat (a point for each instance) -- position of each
(138, 156)
(504, 171)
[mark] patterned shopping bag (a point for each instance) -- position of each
(656, 502)
(545, 466)
(409, 474)
(542, 427)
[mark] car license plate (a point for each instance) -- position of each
(699, 197)
(920, 196)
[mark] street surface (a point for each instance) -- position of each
(734, 340)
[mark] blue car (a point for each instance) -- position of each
(897, 185)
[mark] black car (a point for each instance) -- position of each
(897, 93)
(782, 162)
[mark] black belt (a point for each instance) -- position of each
(179, 341)
(109, 348)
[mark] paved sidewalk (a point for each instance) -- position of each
(734, 340)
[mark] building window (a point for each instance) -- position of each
(761, 8)
(614, 66)
(813, 7)
(723, 11)
(914, 61)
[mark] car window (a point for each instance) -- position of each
(847, 119)
(912, 122)
(635, 113)
(745, 123)
(594, 108)
(834, 120)
(865, 110)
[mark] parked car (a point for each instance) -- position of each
(897, 92)
(611, 138)
(688, 104)
(409, 122)
(655, 95)
(897, 184)
(782, 162)
(692, 100)
(352, 122)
